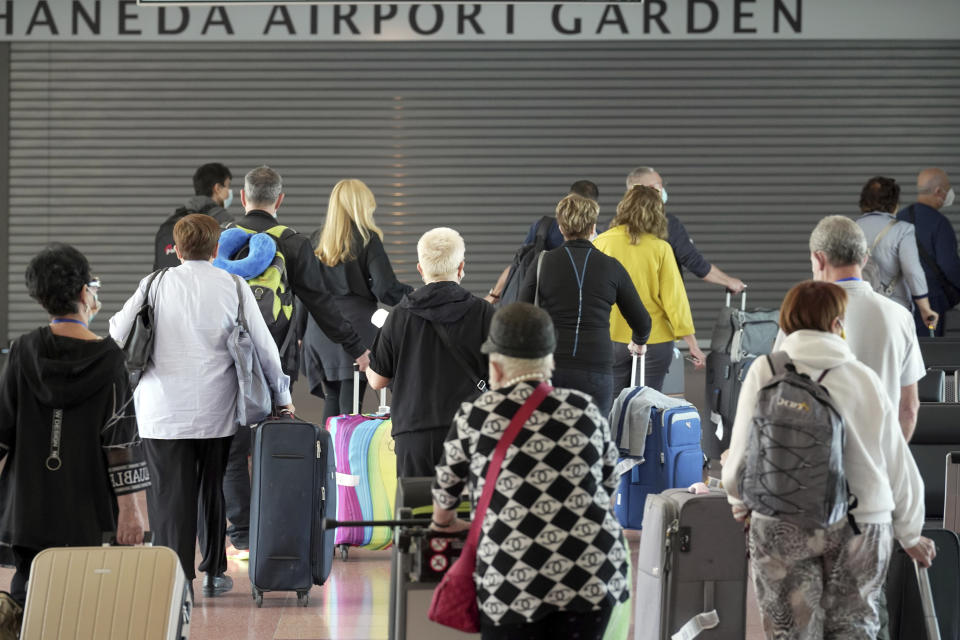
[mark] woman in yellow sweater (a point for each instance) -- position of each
(637, 239)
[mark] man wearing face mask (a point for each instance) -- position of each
(936, 244)
(212, 196)
(683, 248)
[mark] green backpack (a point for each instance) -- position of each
(239, 248)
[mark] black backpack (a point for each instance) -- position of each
(164, 254)
(522, 261)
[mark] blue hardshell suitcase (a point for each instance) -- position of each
(294, 488)
(673, 459)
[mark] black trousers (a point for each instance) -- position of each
(236, 488)
(187, 476)
(659, 357)
(22, 558)
(338, 397)
(418, 452)
(562, 624)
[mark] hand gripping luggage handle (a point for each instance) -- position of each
(926, 600)
(743, 299)
(110, 538)
(356, 394)
(643, 370)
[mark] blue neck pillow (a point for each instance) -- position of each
(261, 254)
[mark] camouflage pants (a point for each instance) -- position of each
(814, 584)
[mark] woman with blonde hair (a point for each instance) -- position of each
(637, 238)
(357, 271)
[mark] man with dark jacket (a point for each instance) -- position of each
(212, 196)
(936, 243)
(429, 348)
(261, 197)
(684, 250)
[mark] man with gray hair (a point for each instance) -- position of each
(429, 348)
(261, 197)
(880, 332)
(683, 248)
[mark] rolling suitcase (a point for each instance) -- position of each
(951, 493)
(739, 336)
(691, 571)
(366, 474)
(293, 488)
(672, 458)
(932, 386)
(925, 604)
(95, 593)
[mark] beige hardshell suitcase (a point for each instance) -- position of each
(107, 593)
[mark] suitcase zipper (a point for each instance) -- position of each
(318, 450)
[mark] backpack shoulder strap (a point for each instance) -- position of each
(543, 228)
(279, 231)
(778, 361)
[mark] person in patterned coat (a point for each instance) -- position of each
(551, 558)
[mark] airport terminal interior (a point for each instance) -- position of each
(758, 117)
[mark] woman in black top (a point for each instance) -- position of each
(357, 271)
(577, 286)
(67, 425)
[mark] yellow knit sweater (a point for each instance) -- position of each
(655, 274)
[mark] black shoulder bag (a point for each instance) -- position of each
(138, 347)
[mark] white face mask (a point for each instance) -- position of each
(948, 199)
(663, 194)
(229, 200)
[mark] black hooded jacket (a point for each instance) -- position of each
(65, 400)
(428, 383)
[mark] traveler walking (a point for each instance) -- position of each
(814, 582)
(637, 239)
(429, 348)
(68, 433)
(936, 245)
(578, 285)
(551, 558)
(357, 272)
(186, 399)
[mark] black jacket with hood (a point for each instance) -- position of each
(428, 383)
(75, 391)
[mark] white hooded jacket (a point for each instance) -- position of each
(879, 467)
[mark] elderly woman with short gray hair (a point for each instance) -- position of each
(551, 558)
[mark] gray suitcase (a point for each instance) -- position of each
(951, 493)
(691, 570)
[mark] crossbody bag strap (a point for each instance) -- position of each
(516, 424)
(536, 292)
(241, 319)
(153, 276)
(445, 339)
(880, 236)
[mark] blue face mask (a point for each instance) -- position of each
(663, 194)
(229, 200)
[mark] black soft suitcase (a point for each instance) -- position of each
(904, 602)
(294, 488)
(932, 386)
(724, 379)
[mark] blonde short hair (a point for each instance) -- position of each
(577, 215)
(439, 252)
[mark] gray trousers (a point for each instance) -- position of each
(814, 584)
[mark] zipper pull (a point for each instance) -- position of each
(319, 452)
(323, 494)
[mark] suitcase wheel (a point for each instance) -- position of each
(257, 596)
(303, 598)
(344, 551)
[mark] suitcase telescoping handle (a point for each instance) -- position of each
(926, 601)
(384, 409)
(743, 299)
(643, 370)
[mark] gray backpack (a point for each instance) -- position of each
(871, 272)
(793, 467)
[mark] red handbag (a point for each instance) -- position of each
(454, 602)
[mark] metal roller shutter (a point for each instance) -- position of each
(756, 140)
